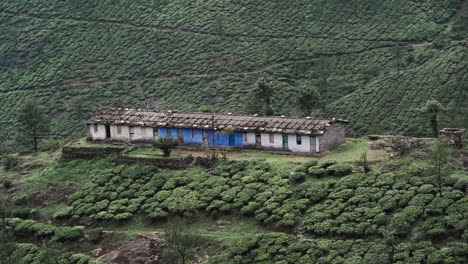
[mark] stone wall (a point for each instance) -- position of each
(333, 137)
(76, 153)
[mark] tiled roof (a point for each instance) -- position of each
(268, 124)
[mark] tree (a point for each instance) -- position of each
(179, 246)
(433, 108)
(364, 163)
(261, 98)
(166, 145)
(307, 99)
(439, 158)
(32, 123)
(205, 109)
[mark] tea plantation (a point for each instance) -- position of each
(321, 211)
(374, 62)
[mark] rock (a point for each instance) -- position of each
(379, 145)
(96, 252)
(140, 251)
(223, 222)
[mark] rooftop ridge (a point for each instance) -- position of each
(220, 114)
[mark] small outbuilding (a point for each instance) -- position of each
(454, 137)
(278, 133)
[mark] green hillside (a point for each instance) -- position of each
(76, 56)
(251, 208)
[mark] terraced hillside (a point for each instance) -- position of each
(375, 62)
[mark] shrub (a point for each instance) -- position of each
(63, 213)
(21, 212)
(9, 162)
(95, 234)
(399, 145)
(166, 145)
(317, 171)
(49, 145)
(7, 184)
(297, 177)
(327, 163)
(374, 137)
(309, 164)
(68, 233)
(339, 170)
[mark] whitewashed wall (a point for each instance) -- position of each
(124, 134)
(293, 146)
(277, 144)
(100, 134)
(250, 139)
(143, 133)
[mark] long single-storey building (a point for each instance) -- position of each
(279, 133)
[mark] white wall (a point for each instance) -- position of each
(293, 146)
(250, 139)
(100, 134)
(277, 143)
(317, 146)
(143, 133)
(124, 134)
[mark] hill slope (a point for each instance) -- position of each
(77, 56)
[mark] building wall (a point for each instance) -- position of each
(99, 135)
(277, 141)
(142, 133)
(333, 137)
(303, 147)
(193, 136)
(124, 134)
(250, 136)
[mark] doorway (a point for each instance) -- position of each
(180, 136)
(258, 140)
(205, 138)
(108, 132)
(285, 142)
(232, 140)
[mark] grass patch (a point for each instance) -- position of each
(84, 143)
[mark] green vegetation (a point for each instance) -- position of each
(73, 58)
(281, 248)
(166, 145)
(325, 210)
(32, 124)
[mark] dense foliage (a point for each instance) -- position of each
(26, 253)
(374, 62)
(284, 249)
(358, 205)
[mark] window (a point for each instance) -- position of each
(245, 137)
(169, 132)
(298, 139)
(119, 129)
(272, 138)
(131, 131)
(95, 128)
